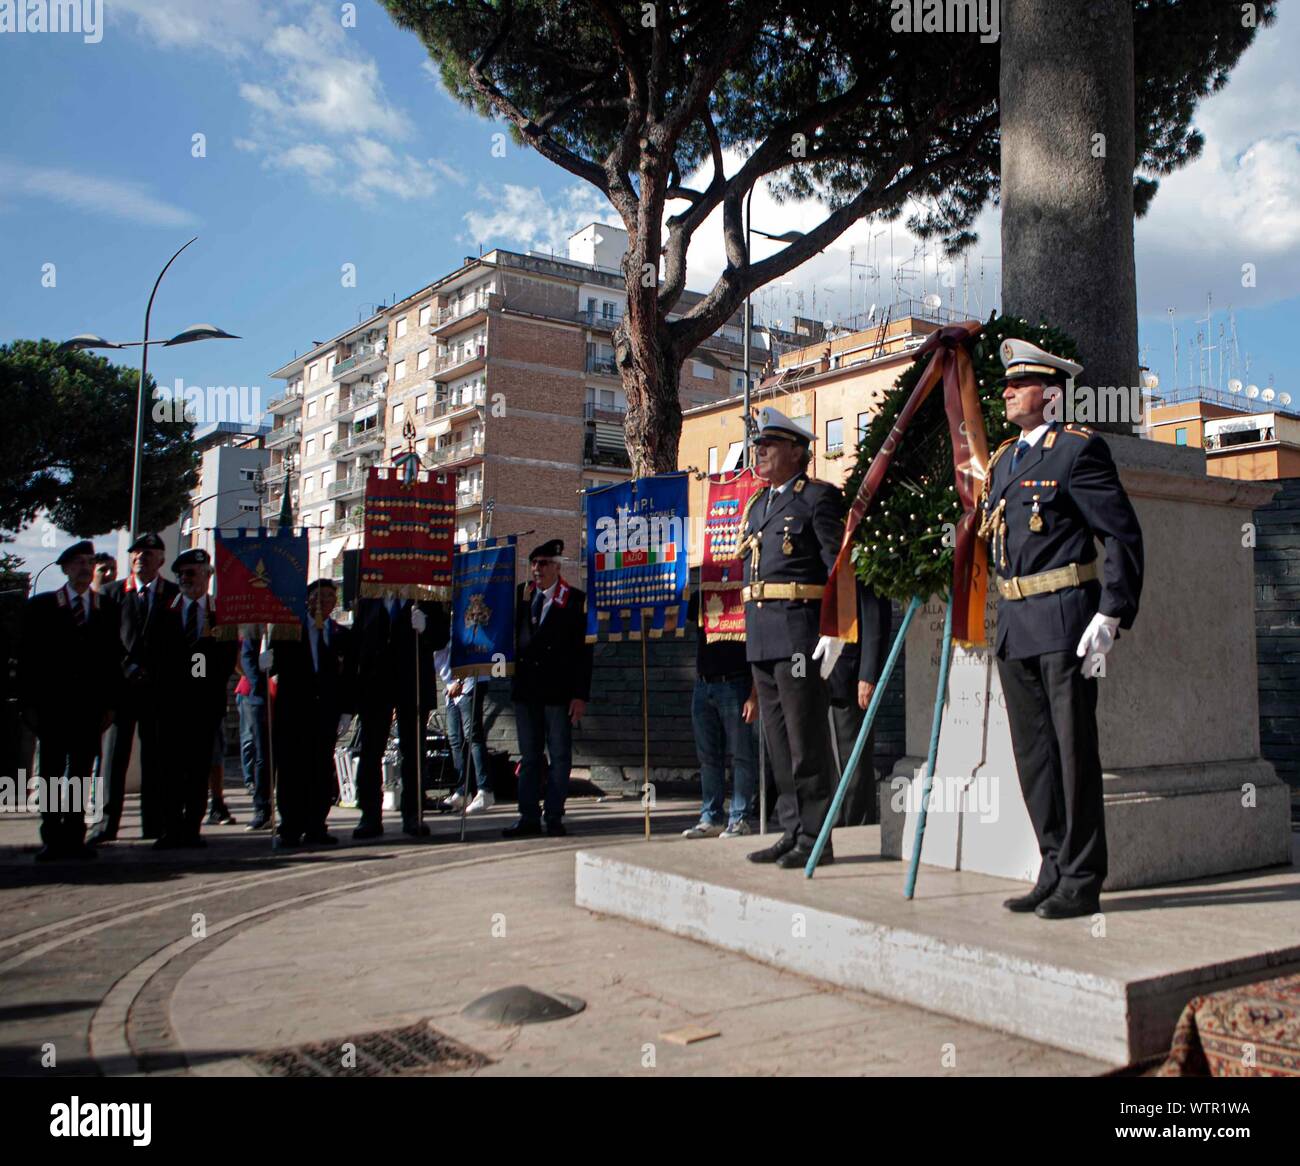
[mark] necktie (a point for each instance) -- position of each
(192, 622)
(539, 598)
(1022, 447)
(78, 612)
(144, 602)
(767, 505)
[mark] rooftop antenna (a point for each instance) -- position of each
(1173, 328)
(1206, 360)
(1235, 356)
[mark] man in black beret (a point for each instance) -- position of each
(68, 681)
(551, 687)
(139, 599)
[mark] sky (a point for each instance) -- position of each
(324, 146)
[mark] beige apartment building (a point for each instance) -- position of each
(505, 366)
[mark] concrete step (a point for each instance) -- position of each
(1110, 987)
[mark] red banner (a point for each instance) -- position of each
(410, 530)
(722, 571)
(950, 362)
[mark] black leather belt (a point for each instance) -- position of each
(725, 678)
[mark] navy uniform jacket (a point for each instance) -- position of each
(68, 676)
(305, 692)
(1079, 499)
(141, 638)
(808, 518)
(385, 652)
(553, 663)
(195, 700)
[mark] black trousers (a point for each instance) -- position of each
(1052, 709)
(798, 739)
(376, 720)
(304, 780)
(68, 753)
(188, 736)
(861, 805)
(139, 708)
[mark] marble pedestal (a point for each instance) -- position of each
(1187, 793)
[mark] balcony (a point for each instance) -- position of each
(362, 394)
(614, 414)
(449, 454)
(274, 475)
(467, 359)
(461, 313)
(598, 319)
(352, 524)
(594, 455)
(290, 400)
(469, 496)
(602, 366)
(365, 358)
(467, 401)
(284, 435)
(358, 443)
(347, 487)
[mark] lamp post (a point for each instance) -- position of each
(188, 336)
(784, 237)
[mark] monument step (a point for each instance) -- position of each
(1109, 987)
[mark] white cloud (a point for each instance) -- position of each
(523, 216)
(114, 198)
(229, 27)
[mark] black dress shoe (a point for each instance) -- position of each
(798, 857)
(781, 846)
(259, 822)
(415, 830)
(48, 854)
(287, 841)
(99, 837)
(1067, 905)
(319, 838)
(524, 828)
(556, 829)
(168, 842)
(1025, 903)
(367, 830)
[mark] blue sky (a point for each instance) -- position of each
(328, 145)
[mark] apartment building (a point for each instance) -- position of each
(1246, 432)
(225, 496)
(505, 367)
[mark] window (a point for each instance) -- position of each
(329, 363)
(313, 406)
(309, 448)
(248, 473)
(422, 359)
(422, 402)
(324, 518)
(864, 419)
(399, 370)
(397, 413)
(703, 371)
(400, 330)
(425, 313)
(249, 507)
(735, 451)
(328, 402)
(591, 305)
(309, 484)
(607, 398)
(608, 310)
(394, 451)
(315, 373)
(1180, 436)
(835, 435)
(713, 459)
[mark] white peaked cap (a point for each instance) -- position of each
(774, 423)
(1020, 358)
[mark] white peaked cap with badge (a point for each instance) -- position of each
(774, 423)
(1020, 358)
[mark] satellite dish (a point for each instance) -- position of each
(1284, 399)
(1150, 380)
(1268, 394)
(1252, 391)
(828, 325)
(1234, 385)
(933, 301)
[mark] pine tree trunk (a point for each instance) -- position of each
(1067, 213)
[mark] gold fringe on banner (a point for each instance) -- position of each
(461, 671)
(418, 591)
(283, 631)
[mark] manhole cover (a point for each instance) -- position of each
(520, 1004)
(416, 1049)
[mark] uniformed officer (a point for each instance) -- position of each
(68, 682)
(198, 660)
(1047, 496)
(140, 599)
(790, 536)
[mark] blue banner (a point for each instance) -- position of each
(637, 573)
(483, 608)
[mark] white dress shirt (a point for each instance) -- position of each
(75, 600)
(185, 612)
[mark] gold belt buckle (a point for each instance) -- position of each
(756, 590)
(1013, 586)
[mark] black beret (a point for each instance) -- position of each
(195, 557)
(147, 542)
(317, 584)
(549, 550)
(84, 547)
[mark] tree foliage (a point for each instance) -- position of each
(67, 444)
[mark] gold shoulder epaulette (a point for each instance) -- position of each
(1078, 430)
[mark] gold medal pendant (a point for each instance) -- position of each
(786, 544)
(1035, 518)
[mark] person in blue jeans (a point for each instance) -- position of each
(463, 714)
(722, 711)
(250, 700)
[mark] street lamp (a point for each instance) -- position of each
(784, 237)
(188, 336)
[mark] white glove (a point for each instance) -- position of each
(828, 652)
(266, 660)
(1098, 638)
(419, 621)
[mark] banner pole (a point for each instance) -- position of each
(762, 776)
(419, 732)
(851, 765)
(270, 742)
(645, 724)
(927, 780)
(467, 753)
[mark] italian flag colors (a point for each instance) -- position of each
(613, 560)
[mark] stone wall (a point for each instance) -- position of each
(1277, 630)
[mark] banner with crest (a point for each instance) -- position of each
(722, 571)
(483, 608)
(262, 577)
(410, 528)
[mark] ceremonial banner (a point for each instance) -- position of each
(483, 608)
(949, 356)
(636, 558)
(410, 524)
(722, 571)
(261, 577)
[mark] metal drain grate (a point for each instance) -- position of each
(414, 1050)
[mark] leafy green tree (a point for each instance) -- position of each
(67, 442)
(828, 100)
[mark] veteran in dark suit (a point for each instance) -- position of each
(390, 636)
(139, 599)
(550, 689)
(1049, 497)
(198, 655)
(790, 536)
(68, 681)
(314, 693)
